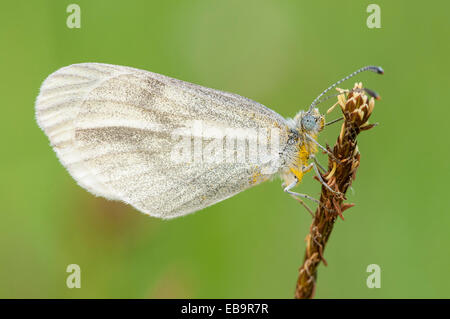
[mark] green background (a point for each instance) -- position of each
(281, 54)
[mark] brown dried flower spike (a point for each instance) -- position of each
(357, 108)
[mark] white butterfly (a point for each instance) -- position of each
(115, 129)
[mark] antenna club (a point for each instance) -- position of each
(379, 70)
(372, 68)
(372, 93)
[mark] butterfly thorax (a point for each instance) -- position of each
(305, 126)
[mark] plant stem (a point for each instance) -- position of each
(357, 109)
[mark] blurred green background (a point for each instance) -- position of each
(281, 54)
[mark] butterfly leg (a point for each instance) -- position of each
(317, 162)
(288, 188)
(319, 176)
(304, 205)
(323, 148)
(296, 196)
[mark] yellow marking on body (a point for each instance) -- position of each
(322, 124)
(302, 157)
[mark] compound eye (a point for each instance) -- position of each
(308, 122)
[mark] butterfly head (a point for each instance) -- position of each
(311, 122)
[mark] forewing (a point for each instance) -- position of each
(112, 128)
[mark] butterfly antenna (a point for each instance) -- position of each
(372, 68)
(369, 92)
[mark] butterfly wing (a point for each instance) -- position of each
(113, 128)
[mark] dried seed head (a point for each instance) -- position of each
(356, 105)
